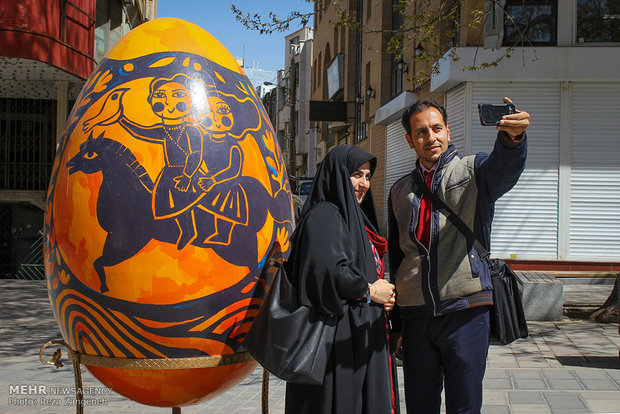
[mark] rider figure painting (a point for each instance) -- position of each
(185, 178)
(176, 188)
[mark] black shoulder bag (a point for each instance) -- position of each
(507, 316)
(291, 341)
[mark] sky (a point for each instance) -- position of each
(217, 18)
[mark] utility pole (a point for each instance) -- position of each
(293, 122)
(359, 98)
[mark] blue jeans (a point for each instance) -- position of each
(450, 349)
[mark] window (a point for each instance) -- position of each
(110, 25)
(598, 21)
(335, 40)
(296, 123)
(27, 144)
(362, 133)
(282, 97)
(319, 72)
(530, 23)
(282, 140)
(296, 74)
(396, 79)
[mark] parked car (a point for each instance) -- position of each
(298, 205)
(301, 186)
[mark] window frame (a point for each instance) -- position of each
(528, 42)
(576, 41)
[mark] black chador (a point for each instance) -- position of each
(331, 264)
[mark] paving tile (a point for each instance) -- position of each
(591, 374)
(527, 374)
(561, 384)
(530, 384)
(599, 385)
(529, 408)
(601, 395)
(498, 383)
(492, 397)
(603, 406)
(614, 374)
(497, 373)
(496, 409)
(559, 374)
(564, 401)
(538, 363)
(525, 397)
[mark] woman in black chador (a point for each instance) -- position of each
(336, 264)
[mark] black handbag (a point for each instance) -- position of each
(506, 315)
(292, 342)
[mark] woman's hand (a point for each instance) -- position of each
(382, 292)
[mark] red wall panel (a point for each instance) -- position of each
(51, 31)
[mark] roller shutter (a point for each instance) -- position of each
(400, 158)
(455, 107)
(595, 172)
(526, 218)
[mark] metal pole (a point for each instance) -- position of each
(265, 396)
(79, 395)
(357, 122)
(293, 98)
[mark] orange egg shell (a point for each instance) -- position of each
(168, 196)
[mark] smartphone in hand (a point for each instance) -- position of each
(491, 114)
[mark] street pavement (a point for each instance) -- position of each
(566, 367)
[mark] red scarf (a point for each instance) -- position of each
(379, 248)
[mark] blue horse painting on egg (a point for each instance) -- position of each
(199, 197)
(184, 181)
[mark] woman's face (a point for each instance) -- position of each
(361, 181)
(171, 100)
(219, 117)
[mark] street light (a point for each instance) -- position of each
(402, 65)
(418, 50)
(370, 92)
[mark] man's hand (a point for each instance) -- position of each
(515, 124)
(206, 183)
(182, 182)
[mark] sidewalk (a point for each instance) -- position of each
(564, 367)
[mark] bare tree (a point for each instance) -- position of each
(433, 23)
(609, 312)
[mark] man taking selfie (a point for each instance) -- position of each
(443, 287)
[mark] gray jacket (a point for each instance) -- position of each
(451, 276)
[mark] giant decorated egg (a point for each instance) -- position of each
(168, 197)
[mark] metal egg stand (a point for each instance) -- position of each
(145, 363)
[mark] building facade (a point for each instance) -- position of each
(564, 213)
(353, 69)
(48, 48)
(288, 104)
